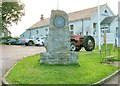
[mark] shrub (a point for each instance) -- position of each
(16, 37)
(3, 40)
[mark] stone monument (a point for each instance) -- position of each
(58, 42)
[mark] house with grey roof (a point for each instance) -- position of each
(109, 26)
(79, 22)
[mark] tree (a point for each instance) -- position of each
(11, 13)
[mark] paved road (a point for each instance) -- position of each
(115, 79)
(12, 53)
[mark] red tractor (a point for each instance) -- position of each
(77, 42)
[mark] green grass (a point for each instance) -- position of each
(30, 71)
(113, 51)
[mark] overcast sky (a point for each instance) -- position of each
(34, 8)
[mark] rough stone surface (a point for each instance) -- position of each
(59, 58)
(58, 42)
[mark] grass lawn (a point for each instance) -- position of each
(113, 51)
(30, 71)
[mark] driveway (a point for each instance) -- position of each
(12, 53)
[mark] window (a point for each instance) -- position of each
(71, 32)
(105, 11)
(37, 31)
(72, 29)
(94, 25)
(105, 30)
(108, 31)
(46, 29)
(116, 31)
(94, 32)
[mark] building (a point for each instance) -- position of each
(5, 33)
(109, 26)
(79, 22)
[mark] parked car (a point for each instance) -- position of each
(40, 41)
(19, 42)
(11, 41)
(29, 42)
(35, 41)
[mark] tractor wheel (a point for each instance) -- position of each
(89, 43)
(78, 48)
(30, 43)
(73, 47)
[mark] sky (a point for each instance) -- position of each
(34, 9)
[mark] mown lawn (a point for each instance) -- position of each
(30, 71)
(114, 51)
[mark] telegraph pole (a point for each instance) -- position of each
(57, 4)
(99, 30)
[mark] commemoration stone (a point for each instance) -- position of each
(58, 42)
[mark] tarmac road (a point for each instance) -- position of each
(10, 54)
(115, 81)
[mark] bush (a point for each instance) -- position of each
(3, 40)
(16, 37)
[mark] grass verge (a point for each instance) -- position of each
(30, 71)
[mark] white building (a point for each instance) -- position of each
(110, 26)
(79, 22)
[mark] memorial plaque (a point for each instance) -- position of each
(58, 42)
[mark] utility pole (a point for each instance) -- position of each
(57, 4)
(119, 24)
(99, 30)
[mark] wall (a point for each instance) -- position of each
(82, 26)
(35, 32)
(113, 27)
(25, 35)
(40, 31)
(94, 19)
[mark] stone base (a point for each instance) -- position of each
(59, 58)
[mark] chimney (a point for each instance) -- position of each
(41, 18)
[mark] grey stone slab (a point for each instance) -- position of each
(58, 41)
(59, 58)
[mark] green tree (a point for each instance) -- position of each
(11, 13)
